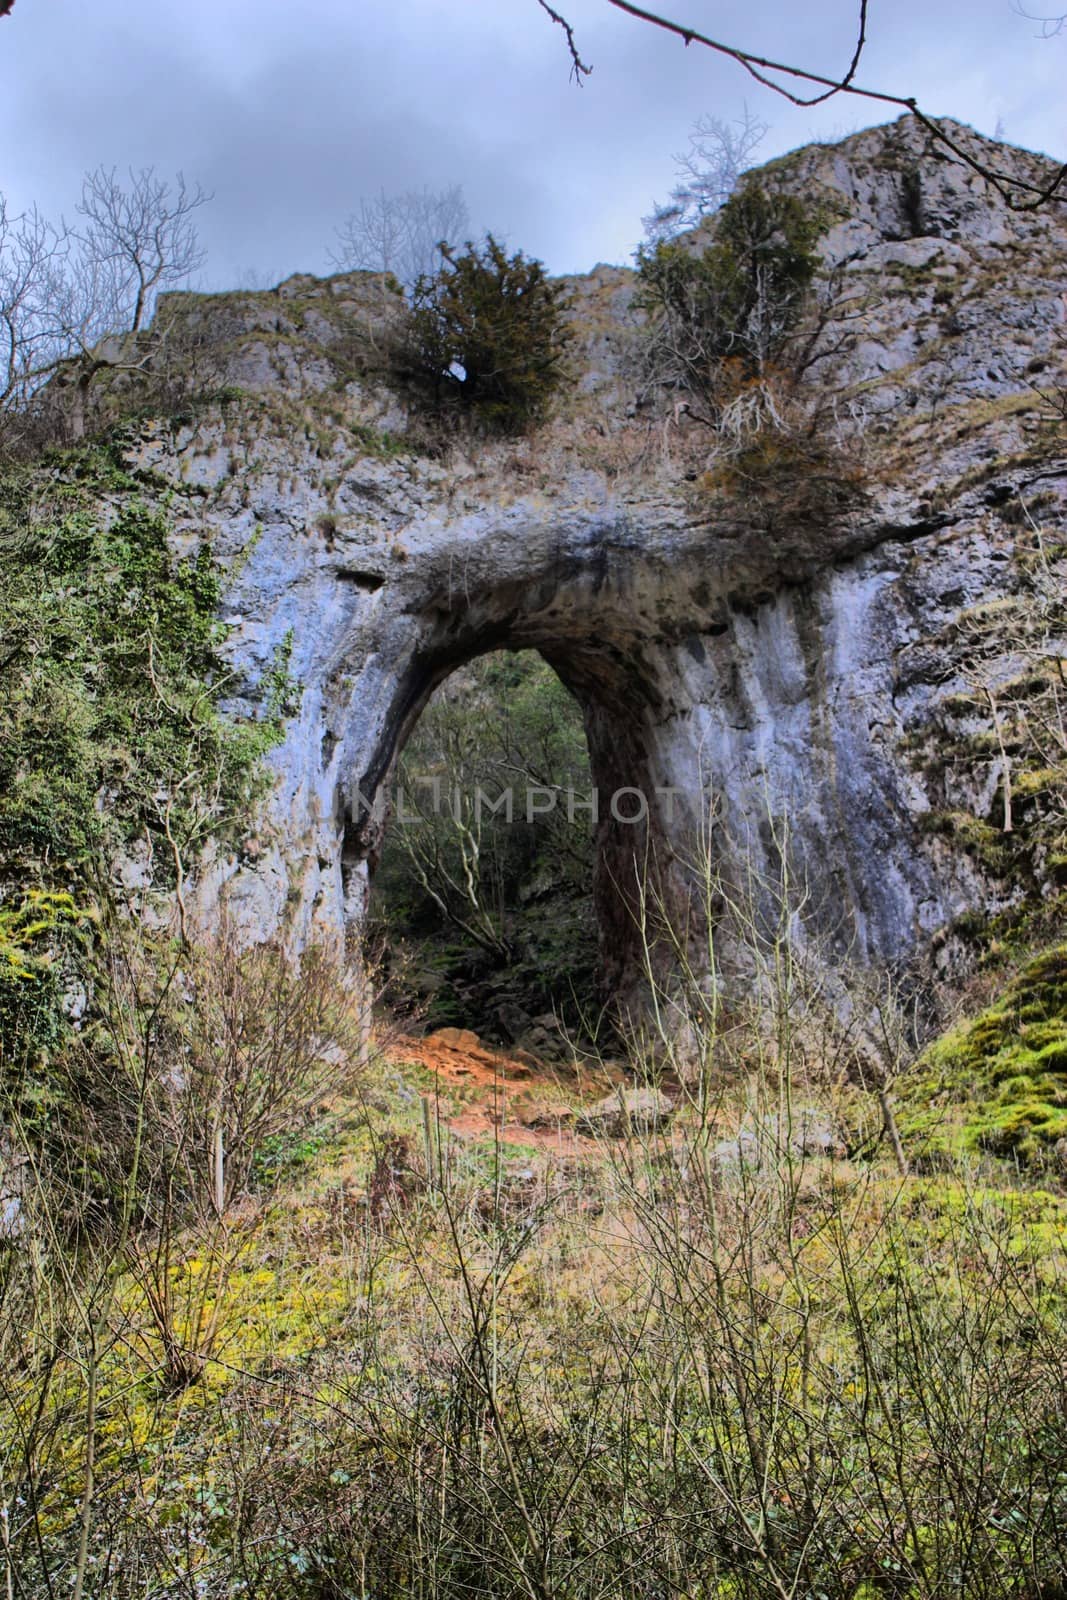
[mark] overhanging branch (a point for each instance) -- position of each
(579, 70)
(1020, 193)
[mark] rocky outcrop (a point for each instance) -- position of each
(757, 668)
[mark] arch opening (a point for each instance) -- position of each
(516, 804)
(481, 910)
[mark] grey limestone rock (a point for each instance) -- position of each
(753, 668)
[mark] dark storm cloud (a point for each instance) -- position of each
(289, 114)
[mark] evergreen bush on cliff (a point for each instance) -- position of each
(487, 338)
(732, 333)
(731, 307)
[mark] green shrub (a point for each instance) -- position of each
(111, 738)
(736, 302)
(40, 938)
(109, 718)
(487, 337)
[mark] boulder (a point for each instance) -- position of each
(625, 1112)
(455, 1039)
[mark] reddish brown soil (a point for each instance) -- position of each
(489, 1094)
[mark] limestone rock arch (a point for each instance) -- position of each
(577, 623)
(783, 658)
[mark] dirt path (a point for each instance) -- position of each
(487, 1093)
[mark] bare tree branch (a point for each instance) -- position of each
(402, 233)
(579, 69)
(1050, 25)
(75, 301)
(142, 234)
(719, 152)
(1021, 193)
(33, 259)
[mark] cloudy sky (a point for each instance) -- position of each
(290, 110)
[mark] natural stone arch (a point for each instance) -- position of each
(699, 681)
(710, 662)
(788, 652)
(617, 688)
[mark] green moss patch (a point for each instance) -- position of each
(998, 1083)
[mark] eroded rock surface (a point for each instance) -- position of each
(748, 663)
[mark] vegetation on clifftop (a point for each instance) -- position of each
(486, 338)
(734, 329)
(736, 300)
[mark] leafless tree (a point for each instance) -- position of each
(142, 237)
(33, 260)
(76, 299)
(719, 152)
(402, 233)
(803, 87)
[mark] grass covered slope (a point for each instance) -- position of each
(998, 1082)
(409, 1363)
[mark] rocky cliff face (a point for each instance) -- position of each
(774, 664)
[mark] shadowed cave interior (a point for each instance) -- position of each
(498, 899)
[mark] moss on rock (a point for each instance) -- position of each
(998, 1083)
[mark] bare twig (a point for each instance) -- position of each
(77, 301)
(579, 69)
(1050, 25)
(1021, 193)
